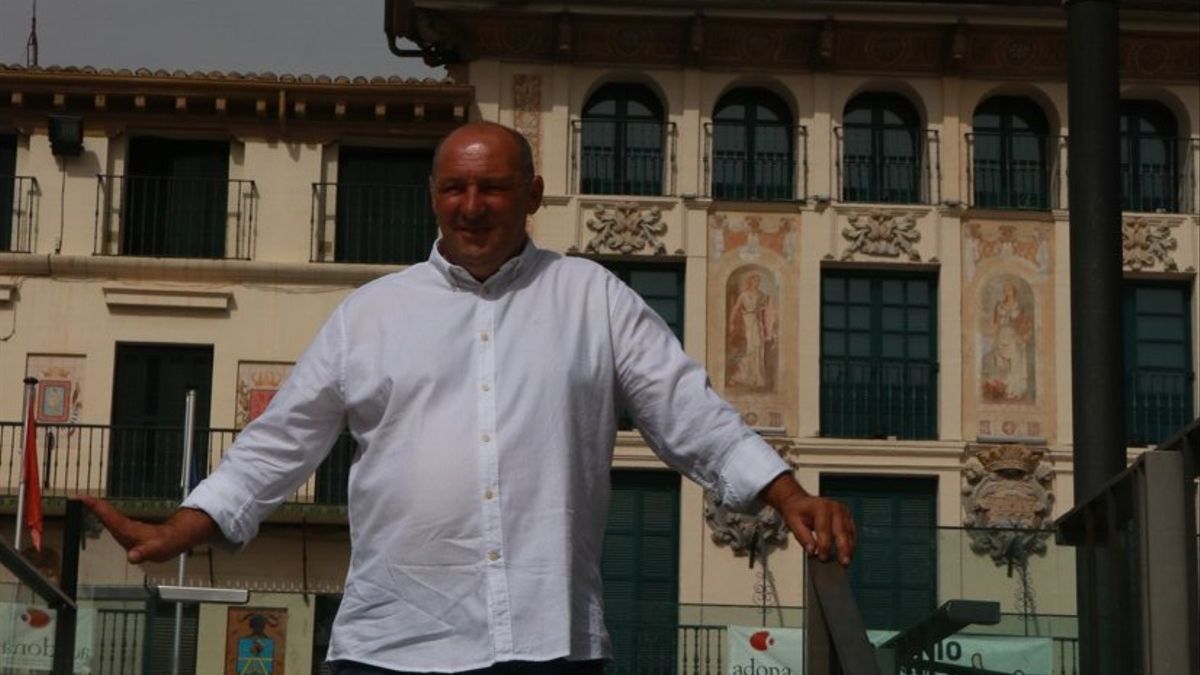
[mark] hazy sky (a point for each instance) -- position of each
(334, 37)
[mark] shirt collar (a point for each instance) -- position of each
(459, 277)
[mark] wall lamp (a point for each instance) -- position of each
(66, 135)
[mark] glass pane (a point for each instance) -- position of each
(860, 317)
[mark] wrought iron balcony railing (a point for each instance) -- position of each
(1015, 171)
(371, 223)
(623, 157)
(1162, 178)
(18, 213)
(875, 398)
(144, 463)
(1159, 402)
(774, 169)
(906, 169)
(175, 217)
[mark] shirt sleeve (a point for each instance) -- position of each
(683, 420)
(281, 448)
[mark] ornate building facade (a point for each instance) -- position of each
(854, 214)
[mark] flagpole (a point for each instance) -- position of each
(189, 422)
(30, 384)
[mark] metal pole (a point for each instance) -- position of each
(189, 421)
(1097, 364)
(30, 384)
(65, 623)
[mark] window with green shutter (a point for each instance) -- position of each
(894, 573)
(384, 214)
(878, 354)
(176, 198)
(640, 570)
(8, 182)
(1158, 360)
(661, 286)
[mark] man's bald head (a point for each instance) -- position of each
(520, 144)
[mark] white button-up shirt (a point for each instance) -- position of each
(485, 414)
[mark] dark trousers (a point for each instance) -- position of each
(556, 667)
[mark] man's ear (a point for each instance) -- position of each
(536, 187)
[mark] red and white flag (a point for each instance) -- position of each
(33, 486)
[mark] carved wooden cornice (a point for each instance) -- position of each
(677, 40)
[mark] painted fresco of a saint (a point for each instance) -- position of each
(1007, 365)
(752, 339)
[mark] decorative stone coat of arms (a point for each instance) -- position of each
(625, 228)
(1008, 494)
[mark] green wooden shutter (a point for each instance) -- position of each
(878, 355)
(894, 573)
(161, 637)
(1158, 360)
(176, 198)
(384, 214)
(640, 570)
(150, 383)
(8, 170)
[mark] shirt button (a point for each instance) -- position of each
(483, 337)
(493, 555)
(485, 387)
(485, 437)
(488, 495)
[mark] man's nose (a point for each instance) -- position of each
(472, 205)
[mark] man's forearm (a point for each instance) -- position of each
(782, 488)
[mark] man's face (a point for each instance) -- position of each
(481, 199)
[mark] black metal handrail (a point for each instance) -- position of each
(175, 217)
(836, 637)
(18, 213)
(890, 179)
(127, 462)
(623, 157)
(756, 174)
(878, 398)
(999, 180)
(371, 223)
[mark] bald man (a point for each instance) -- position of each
(482, 388)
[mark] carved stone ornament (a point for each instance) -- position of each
(1008, 494)
(1146, 242)
(882, 234)
(742, 533)
(625, 228)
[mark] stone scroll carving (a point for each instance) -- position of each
(752, 535)
(742, 533)
(1008, 494)
(1147, 243)
(626, 227)
(884, 234)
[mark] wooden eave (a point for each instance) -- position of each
(261, 106)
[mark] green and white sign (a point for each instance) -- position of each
(27, 638)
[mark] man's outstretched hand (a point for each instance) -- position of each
(818, 523)
(154, 542)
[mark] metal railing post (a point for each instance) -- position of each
(189, 421)
(65, 622)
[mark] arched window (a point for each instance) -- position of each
(1149, 177)
(753, 151)
(622, 141)
(1011, 154)
(881, 153)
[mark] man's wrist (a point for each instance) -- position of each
(781, 489)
